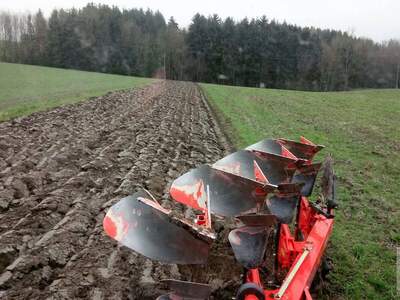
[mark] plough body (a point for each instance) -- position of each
(265, 187)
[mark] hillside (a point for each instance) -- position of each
(25, 89)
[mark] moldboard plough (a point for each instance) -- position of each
(264, 188)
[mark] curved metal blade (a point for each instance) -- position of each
(288, 189)
(265, 220)
(187, 289)
(230, 194)
(250, 164)
(307, 174)
(173, 296)
(141, 224)
(278, 169)
(273, 147)
(240, 163)
(283, 206)
(249, 245)
(164, 297)
(301, 150)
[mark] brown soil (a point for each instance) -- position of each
(59, 172)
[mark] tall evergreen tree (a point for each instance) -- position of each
(250, 52)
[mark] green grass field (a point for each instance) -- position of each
(25, 89)
(362, 131)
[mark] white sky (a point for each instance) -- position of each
(376, 19)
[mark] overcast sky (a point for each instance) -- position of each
(376, 19)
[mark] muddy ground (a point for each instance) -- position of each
(59, 172)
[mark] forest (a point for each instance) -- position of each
(258, 52)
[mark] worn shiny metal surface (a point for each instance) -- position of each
(301, 150)
(230, 194)
(249, 244)
(278, 169)
(141, 224)
(188, 289)
(306, 174)
(250, 164)
(242, 163)
(268, 146)
(258, 220)
(283, 206)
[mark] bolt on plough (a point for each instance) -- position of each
(265, 188)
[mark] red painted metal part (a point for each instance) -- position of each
(316, 230)
(201, 220)
(316, 240)
(288, 248)
(254, 276)
(306, 218)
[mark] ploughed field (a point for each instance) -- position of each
(61, 170)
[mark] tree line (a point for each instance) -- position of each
(251, 52)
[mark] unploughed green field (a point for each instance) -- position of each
(25, 89)
(361, 129)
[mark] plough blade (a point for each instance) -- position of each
(141, 224)
(278, 169)
(186, 290)
(283, 206)
(230, 194)
(273, 147)
(287, 189)
(164, 297)
(256, 166)
(241, 163)
(304, 150)
(307, 174)
(249, 245)
(265, 220)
